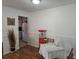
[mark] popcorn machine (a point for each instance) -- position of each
(42, 37)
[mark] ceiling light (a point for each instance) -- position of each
(35, 1)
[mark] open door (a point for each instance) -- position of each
(23, 29)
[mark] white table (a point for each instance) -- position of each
(50, 51)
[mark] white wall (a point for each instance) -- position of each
(10, 12)
(60, 23)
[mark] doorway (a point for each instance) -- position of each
(23, 30)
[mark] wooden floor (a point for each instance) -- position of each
(26, 52)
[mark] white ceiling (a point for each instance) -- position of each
(27, 5)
